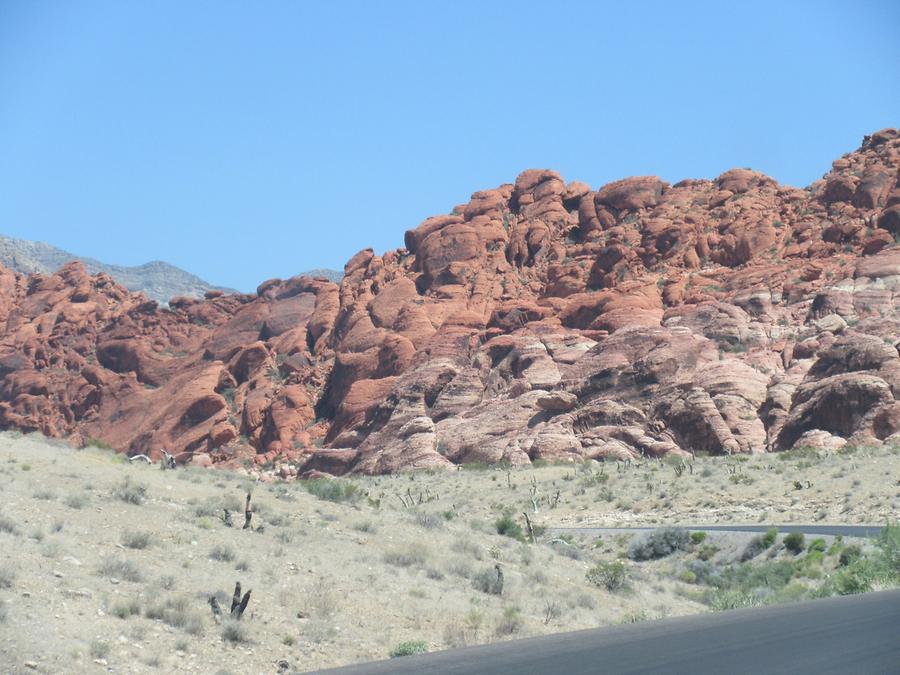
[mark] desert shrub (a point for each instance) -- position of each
(701, 571)
(8, 525)
(332, 489)
(460, 567)
(45, 494)
(429, 521)
(509, 623)
(659, 543)
(488, 581)
(794, 542)
(817, 545)
(759, 543)
(698, 537)
(135, 539)
(508, 527)
(467, 547)
(608, 575)
(131, 493)
(234, 632)
(99, 649)
(567, 549)
(858, 577)
(849, 554)
(177, 612)
(222, 553)
(76, 501)
(725, 599)
(126, 608)
(753, 548)
(113, 567)
(167, 582)
(3, 611)
(322, 601)
(864, 573)
(409, 648)
(687, 576)
(707, 551)
(407, 556)
(7, 575)
(888, 543)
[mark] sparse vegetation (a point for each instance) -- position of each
(608, 575)
(508, 527)
(659, 544)
(178, 612)
(114, 567)
(234, 632)
(794, 542)
(131, 493)
(324, 573)
(222, 553)
(333, 490)
(136, 540)
(409, 648)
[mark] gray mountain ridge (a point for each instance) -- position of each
(158, 280)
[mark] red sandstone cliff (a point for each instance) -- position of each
(539, 320)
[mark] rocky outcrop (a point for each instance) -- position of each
(541, 320)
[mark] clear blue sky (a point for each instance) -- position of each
(247, 140)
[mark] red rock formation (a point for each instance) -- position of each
(540, 320)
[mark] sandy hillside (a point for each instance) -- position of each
(108, 567)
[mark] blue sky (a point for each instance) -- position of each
(248, 140)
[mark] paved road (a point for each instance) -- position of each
(829, 530)
(856, 634)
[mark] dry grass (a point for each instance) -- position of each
(342, 572)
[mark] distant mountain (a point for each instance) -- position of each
(156, 279)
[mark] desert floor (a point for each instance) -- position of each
(108, 566)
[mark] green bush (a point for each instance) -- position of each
(333, 489)
(659, 543)
(722, 600)
(707, 551)
(608, 575)
(795, 542)
(698, 537)
(508, 527)
(409, 648)
(817, 545)
(509, 623)
(126, 608)
(849, 555)
(770, 536)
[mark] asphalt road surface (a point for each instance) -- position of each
(826, 530)
(856, 635)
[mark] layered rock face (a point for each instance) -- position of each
(541, 320)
